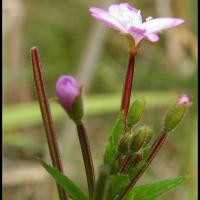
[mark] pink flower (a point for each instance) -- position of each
(67, 90)
(128, 20)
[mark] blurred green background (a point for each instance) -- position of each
(71, 42)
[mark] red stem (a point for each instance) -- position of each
(152, 153)
(128, 84)
(47, 118)
(87, 158)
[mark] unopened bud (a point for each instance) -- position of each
(135, 112)
(124, 143)
(69, 94)
(176, 113)
(141, 138)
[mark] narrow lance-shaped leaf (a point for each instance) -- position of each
(154, 190)
(74, 192)
(111, 148)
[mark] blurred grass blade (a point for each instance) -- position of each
(30, 115)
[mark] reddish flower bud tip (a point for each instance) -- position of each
(67, 91)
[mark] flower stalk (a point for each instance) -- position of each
(128, 84)
(87, 157)
(47, 118)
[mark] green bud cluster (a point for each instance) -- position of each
(134, 141)
(124, 143)
(141, 138)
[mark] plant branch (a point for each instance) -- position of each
(46, 115)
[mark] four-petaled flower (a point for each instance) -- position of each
(128, 20)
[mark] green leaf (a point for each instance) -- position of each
(117, 183)
(111, 148)
(154, 190)
(73, 191)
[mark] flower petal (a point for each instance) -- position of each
(152, 37)
(107, 19)
(126, 14)
(160, 24)
(137, 33)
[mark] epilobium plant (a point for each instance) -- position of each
(130, 149)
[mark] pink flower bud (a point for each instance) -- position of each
(183, 100)
(69, 94)
(176, 113)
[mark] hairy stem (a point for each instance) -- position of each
(152, 153)
(87, 158)
(46, 116)
(128, 84)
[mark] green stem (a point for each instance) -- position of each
(87, 158)
(46, 116)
